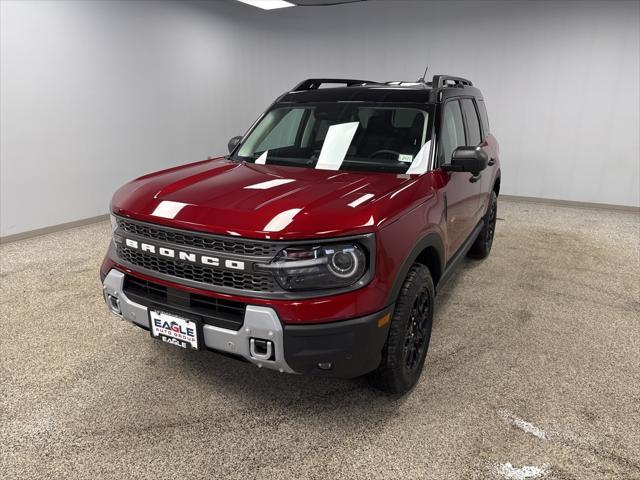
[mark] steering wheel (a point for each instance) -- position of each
(380, 152)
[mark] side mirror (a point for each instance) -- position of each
(467, 159)
(233, 143)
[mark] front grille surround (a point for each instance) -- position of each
(249, 282)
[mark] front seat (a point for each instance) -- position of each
(378, 135)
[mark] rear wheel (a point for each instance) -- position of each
(405, 351)
(482, 246)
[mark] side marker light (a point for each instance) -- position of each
(384, 320)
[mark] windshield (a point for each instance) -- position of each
(340, 136)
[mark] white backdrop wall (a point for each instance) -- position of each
(95, 93)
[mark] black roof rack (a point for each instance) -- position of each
(440, 81)
(314, 83)
(439, 88)
(400, 83)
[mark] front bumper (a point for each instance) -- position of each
(346, 349)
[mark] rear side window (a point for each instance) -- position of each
(452, 131)
(473, 124)
(483, 118)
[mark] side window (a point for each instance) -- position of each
(473, 124)
(484, 118)
(451, 131)
(284, 133)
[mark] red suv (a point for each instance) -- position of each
(318, 244)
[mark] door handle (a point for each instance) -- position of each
(491, 162)
(476, 178)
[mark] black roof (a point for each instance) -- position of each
(367, 91)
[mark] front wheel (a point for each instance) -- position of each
(405, 351)
(482, 246)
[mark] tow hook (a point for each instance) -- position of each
(261, 349)
(113, 302)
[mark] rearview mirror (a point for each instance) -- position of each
(233, 143)
(467, 159)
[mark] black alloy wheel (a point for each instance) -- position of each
(482, 246)
(405, 351)
(418, 333)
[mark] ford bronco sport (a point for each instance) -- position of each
(318, 244)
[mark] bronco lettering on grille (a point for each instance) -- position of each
(184, 256)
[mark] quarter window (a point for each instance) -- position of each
(484, 118)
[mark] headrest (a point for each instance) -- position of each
(379, 123)
(417, 125)
(329, 112)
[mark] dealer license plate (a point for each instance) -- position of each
(175, 330)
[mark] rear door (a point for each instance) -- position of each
(460, 192)
(490, 145)
(474, 139)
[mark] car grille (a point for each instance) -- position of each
(213, 311)
(221, 278)
(210, 242)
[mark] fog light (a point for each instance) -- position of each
(324, 366)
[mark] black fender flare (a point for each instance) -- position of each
(431, 239)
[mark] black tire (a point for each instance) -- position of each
(482, 246)
(405, 351)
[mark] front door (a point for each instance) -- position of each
(462, 194)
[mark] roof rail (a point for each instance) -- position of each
(400, 83)
(441, 81)
(314, 83)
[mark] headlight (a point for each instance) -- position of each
(319, 267)
(114, 223)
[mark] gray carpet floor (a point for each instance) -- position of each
(533, 372)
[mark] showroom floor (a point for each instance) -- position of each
(534, 370)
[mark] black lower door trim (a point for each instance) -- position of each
(460, 254)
